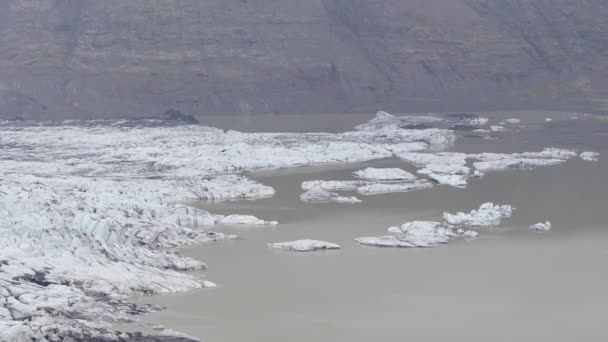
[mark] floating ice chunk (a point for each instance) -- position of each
(497, 129)
(589, 156)
(429, 233)
(541, 226)
(488, 214)
(333, 185)
(306, 245)
(384, 119)
(548, 119)
(385, 188)
(384, 241)
(513, 121)
(384, 174)
(526, 160)
(323, 196)
(243, 219)
(514, 163)
(468, 234)
(479, 121)
(445, 168)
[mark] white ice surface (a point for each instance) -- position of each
(305, 245)
(384, 174)
(385, 188)
(333, 185)
(589, 156)
(488, 214)
(542, 226)
(91, 210)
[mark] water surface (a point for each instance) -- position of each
(508, 285)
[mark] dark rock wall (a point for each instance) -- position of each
(116, 58)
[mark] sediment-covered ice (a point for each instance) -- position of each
(305, 245)
(542, 226)
(488, 214)
(385, 188)
(323, 196)
(384, 174)
(589, 156)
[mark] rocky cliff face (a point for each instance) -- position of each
(116, 58)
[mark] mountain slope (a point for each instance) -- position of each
(113, 58)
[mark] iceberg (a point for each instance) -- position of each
(385, 188)
(323, 196)
(306, 245)
(542, 227)
(589, 156)
(333, 185)
(487, 215)
(384, 174)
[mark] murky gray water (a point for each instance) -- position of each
(508, 285)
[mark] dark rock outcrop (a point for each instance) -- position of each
(136, 58)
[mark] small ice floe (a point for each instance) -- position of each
(513, 121)
(497, 129)
(479, 121)
(417, 234)
(323, 196)
(385, 241)
(488, 214)
(445, 167)
(382, 188)
(526, 160)
(306, 245)
(244, 219)
(468, 234)
(589, 156)
(333, 185)
(384, 174)
(548, 119)
(542, 227)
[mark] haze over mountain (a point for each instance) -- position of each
(136, 58)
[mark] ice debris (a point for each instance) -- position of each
(384, 174)
(385, 188)
(543, 227)
(488, 214)
(305, 245)
(589, 156)
(333, 185)
(323, 196)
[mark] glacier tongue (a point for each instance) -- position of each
(89, 213)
